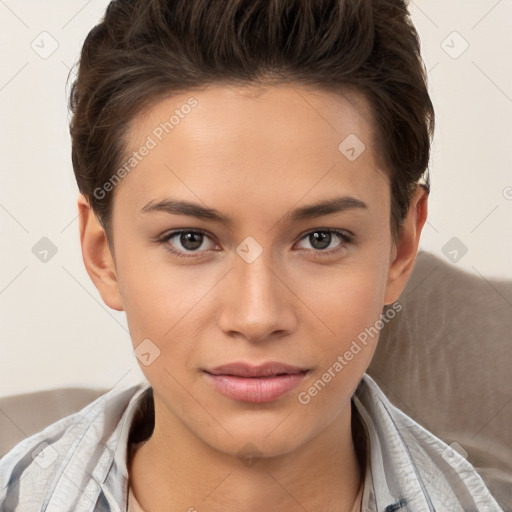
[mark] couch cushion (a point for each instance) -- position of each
(25, 414)
(446, 361)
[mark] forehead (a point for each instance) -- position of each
(231, 112)
(270, 140)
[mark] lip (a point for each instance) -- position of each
(255, 384)
(270, 369)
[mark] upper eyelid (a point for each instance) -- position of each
(348, 233)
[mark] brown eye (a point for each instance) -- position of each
(191, 240)
(186, 240)
(322, 240)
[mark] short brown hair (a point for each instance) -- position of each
(145, 50)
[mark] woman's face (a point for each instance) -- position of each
(256, 277)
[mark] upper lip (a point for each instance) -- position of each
(247, 370)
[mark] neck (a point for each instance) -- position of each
(179, 471)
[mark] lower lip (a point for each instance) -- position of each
(255, 389)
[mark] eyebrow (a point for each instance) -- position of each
(325, 207)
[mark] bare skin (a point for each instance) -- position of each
(254, 155)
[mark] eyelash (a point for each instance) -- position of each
(343, 235)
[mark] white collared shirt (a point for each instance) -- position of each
(79, 463)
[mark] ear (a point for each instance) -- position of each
(404, 252)
(97, 257)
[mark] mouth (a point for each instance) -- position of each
(255, 384)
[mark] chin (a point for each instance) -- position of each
(258, 437)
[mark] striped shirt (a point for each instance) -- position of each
(80, 463)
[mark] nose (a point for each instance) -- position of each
(256, 302)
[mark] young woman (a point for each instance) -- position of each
(253, 178)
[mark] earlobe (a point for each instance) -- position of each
(403, 254)
(97, 256)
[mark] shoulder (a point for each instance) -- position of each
(411, 466)
(69, 456)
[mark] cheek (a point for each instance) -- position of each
(152, 293)
(350, 307)
(352, 297)
(353, 308)
(364, 301)
(163, 301)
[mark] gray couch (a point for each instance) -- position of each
(445, 360)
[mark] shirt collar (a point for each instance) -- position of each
(399, 454)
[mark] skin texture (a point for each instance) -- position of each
(254, 154)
